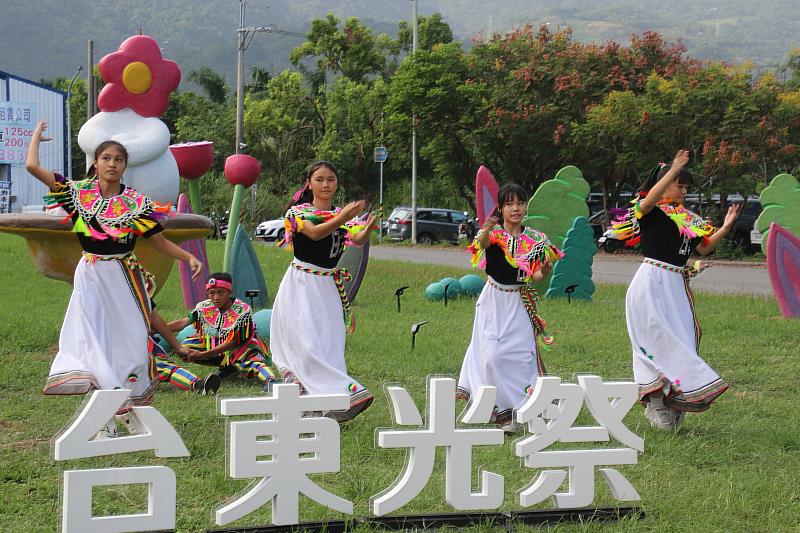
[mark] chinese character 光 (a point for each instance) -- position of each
(285, 461)
(441, 432)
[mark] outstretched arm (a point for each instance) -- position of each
(32, 165)
(658, 190)
(711, 242)
(320, 231)
(169, 248)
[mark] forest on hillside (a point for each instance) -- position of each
(48, 37)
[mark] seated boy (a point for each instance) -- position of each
(225, 335)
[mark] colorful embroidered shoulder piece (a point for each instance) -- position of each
(689, 223)
(216, 327)
(525, 252)
(298, 214)
(128, 213)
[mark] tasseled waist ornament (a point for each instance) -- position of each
(339, 275)
(688, 272)
(530, 297)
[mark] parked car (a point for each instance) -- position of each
(270, 230)
(432, 224)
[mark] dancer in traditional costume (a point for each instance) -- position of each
(659, 306)
(503, 351)
(105, 342)
(311, 310)
(225, 334)
(171, 372)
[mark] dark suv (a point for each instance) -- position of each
(432, 224)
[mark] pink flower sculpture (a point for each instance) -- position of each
(194, 159)
(242, 169)
(138, 77)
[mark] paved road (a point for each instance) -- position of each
(723, 277)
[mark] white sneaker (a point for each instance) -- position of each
(109, 431)
(513, 427)
(660, 417)
(131, 423)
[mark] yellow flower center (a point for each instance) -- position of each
(137, 77)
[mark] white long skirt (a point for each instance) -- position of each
(307, 335)
(665, 337)
(502, 352)
(104, 342)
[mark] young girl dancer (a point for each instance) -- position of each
(503, 351)
(104, 342)
(311, 311)
(659, 306)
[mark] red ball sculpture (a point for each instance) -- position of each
(194, 159)
(242, 169)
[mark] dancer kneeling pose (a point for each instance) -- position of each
(307, 330)
(659, 306)
(104, 341)
(503, 351)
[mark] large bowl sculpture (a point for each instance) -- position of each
(55, 250)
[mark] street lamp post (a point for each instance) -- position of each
(414, 139)
(69, 122)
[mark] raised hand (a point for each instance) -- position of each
(733, 213)
(352, 209)
(39, 130)
(681, 158)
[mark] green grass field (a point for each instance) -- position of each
(733, 468)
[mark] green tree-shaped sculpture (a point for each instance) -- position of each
(576, 267)
(555, 205)
(781, 203)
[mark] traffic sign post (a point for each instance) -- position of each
(381, 155)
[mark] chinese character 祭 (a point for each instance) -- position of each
(549, 414)
(138, 84)
(659, 306)
(284, 466)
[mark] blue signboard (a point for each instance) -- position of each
(17, 121)
(381, 154)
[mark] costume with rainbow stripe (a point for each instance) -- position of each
(659, 307)
(104, 341)
(503, 350)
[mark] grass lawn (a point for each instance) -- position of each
(733, 468)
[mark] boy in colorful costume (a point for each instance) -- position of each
(226, 335)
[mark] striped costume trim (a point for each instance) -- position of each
(70, 383)
(339, 275)
(695, 401)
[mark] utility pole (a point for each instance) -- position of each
(90, 88)
(414, 139)
(69, 123)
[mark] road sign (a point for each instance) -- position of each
(381, 154)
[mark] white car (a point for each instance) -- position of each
(270, 230)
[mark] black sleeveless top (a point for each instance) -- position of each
(662, 240)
